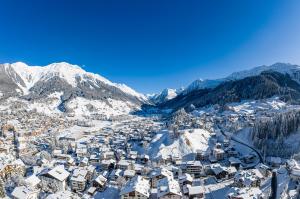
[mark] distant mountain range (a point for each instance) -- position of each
(279, 79)
(70, 85)
(69, 82)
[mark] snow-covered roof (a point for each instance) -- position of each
(167, 186)
(21, 192)
(79, 175)
(161, 171)
(63, 195)
(32, 180)
(138, 184)
(101, 180)
(59, 173)
(247, 192)
(194, 190)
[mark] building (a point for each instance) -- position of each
(23, 192)
(54, 180)
(136, 188)
(192, 167)
(248, 178)
(248, 192)
(79, 179)
(100, 183)
(168, 188)
(158, 174)
(196, 192)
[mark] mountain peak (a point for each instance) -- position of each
(63, 66)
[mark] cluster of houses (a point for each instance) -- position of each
(109, 162)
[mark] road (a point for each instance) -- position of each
(245, 144)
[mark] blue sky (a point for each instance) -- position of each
(151, 45)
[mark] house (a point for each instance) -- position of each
(123, 164)
(192, 167)
(248, 178)
(158, 174)
(33, 181)
(54, 180)
(95, 160)
(294, 169)
(136, 188)
(115, 174)
(218, 154)
(185, 179)
(100, 183)
(235, 162)
(92, 191)
(23, 192)
(168, 188)
(78, 180)
(219, 171)
(128, 174)
(82, 152)
(201, 155)
(264, 169)
(108, 164)
(248, 192)
(108, 155)
(91, 171)
(84, 162)
(196, 192)
(250, 158)
(231, 171)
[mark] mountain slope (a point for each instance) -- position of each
(35, 83)
(265, 85)
(284, 68)
(165, 95)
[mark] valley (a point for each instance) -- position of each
(69, 133)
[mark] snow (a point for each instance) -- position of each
(69, 72)
(112, 107)
(278, 67)
(188, 142)
(110, 192)
(201, 84)
(165, 95)
(252, 106)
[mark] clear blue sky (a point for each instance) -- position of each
(149, 44)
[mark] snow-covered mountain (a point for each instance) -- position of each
(165, 95)
(71, 82)
(292, 70)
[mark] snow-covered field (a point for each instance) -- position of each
(188, 142)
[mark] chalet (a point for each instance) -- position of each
(33, 181)
(23, 192)
(196, 192)
(248, 178)
(123, 164)
(201, 155)
(192, 167)
(78, 180)
(54, 180)
(100, 183)
(136, 188)
(158, 174)
(219, 171)
(218, 153)
(248, 192)
(185, 179)
(128, 174)
(235, 162)
(168, 188)
(108, 164)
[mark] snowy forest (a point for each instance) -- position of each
(273, 135)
